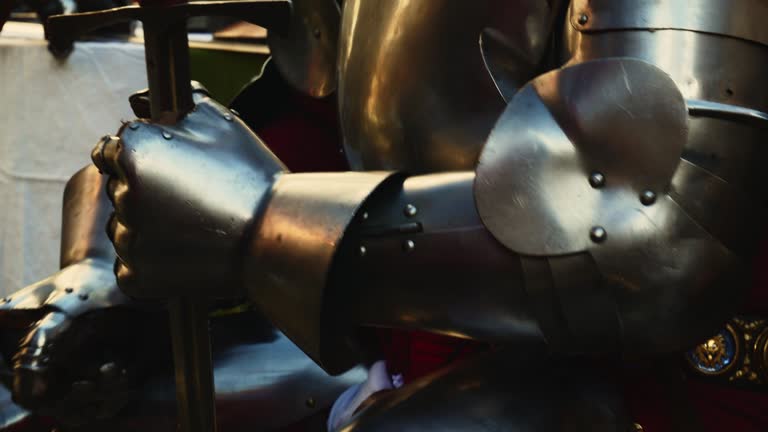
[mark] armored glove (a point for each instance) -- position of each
(185, 196)
(76, 344)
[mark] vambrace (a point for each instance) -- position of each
(335, 251)
(575, 230)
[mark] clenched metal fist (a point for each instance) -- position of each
(74, 343)
(185, 196)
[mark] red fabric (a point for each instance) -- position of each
(414, 354)
(722, 408)
(717, 408)
(306, 138)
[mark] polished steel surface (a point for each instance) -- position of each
(506, 390)
(414, 90)
(535, 191)
(726, 111)
(729, 214)
(599, 221)
(184, 197)
(82, 227)
(86, 255)
(622, 118)
(722, 81)
(290, 256)
(50, 325)
(743, 19)
(306, 54)
(704, 66)
(437, 269)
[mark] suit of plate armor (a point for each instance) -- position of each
(525, 173)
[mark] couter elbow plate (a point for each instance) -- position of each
(580, 156)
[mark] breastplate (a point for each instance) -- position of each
(415, 92)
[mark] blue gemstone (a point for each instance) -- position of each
(724, 356)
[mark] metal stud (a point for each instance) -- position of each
(583, 19)
(316, 33)
(362, 251)
(167, 135)
(648, 197)
(133, 125)
(410, 210)
(598, 234)
(83, 296)
(409, 245)
(235, 112)
(310, 402)
(109, 369)
(228, 117)
(365, 215)
(597, 180)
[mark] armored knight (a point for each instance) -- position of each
(558, 194)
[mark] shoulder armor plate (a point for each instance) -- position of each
(743, 19)
(576, 151)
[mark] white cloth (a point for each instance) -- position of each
(52, 113)
(346, 404)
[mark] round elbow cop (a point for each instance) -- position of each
(636, 243)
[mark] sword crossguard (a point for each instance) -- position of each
(165, 41)
(63, 30)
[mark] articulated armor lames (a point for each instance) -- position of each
(605, 206)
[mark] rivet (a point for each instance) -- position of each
(598, 234)
(362, 251)
(637, 427)
(167, 135)
(311, 402)
(409, 245)
(410, 210)
(235, 112)
(365, 215)
(68, 290)
(597, 180)
(133, 126)
(108, 368)
(83, 296)
(228, 117)
(648, 197)
(583, 19)
(317, 33)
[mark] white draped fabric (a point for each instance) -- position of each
(51, 114)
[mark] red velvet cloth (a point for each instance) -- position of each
(306, 139)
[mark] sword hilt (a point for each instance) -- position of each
(165, 41)
(170, 99)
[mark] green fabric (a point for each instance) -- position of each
(224, 73)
